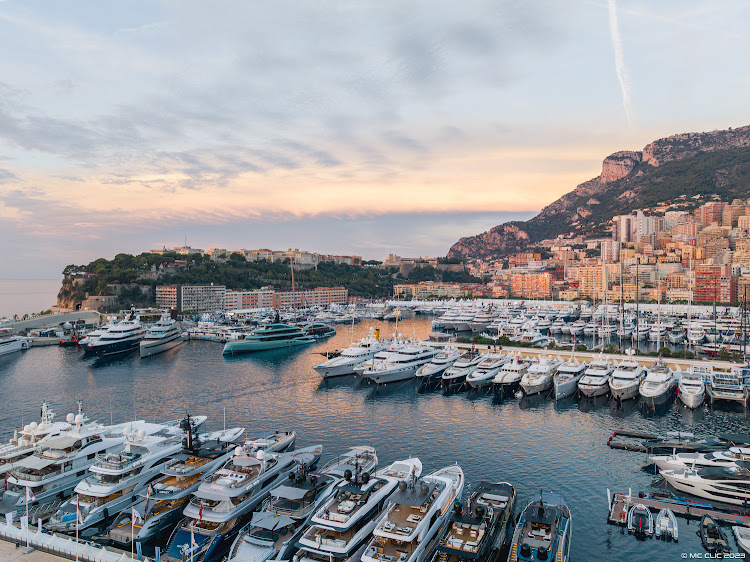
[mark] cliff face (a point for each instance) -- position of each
(625, 181)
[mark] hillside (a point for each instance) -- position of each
(688, 164)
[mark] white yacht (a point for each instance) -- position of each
(355, 354)
(122, 337)
(701, 460)
(727, 385)
(353, 463)
(595, 379)
(626, 380)
(9, 342)
(486, 371)
(117, 477)
(729, 484)
(340, 528)
(62, 462)
(32, 436)
(507, 381)
(97, 333)
(539, 376)
(163, 336)
(481, 321)
(161, 504)
(455, 375)
(432, 372)
(222, 502)
(657, 333)
(577, 328)
(691, 388)
(566, 378)
(417, 512)
(659, 383)
(401, 365)
(696, 335)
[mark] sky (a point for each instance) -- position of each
(344, 127)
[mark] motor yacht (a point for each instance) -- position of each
(538, 378)
(508, 380)
(595, 379)
(625, 332)
(400, 365)
(432, 372)
(455, 375)
(353, 463)
(222, 504)
(163, 336)
(274, 335)
(727, 385)
(354, 355)
(340, 528)
(481, 321)
(487, 369)
(626, 379)
(701, 460)
(543, 532)
(566, 378)
(729, 485)
(577, 328)
(10, 342)
(478, 528)
(696, 335)
(691, 388)
(274, 441)
(160, 505)
(641, 331)
(659, 383)
(676, 336)
(123, 337)
(417, 512)
(657, 333)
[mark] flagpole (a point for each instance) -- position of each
(78, 518)
(27, 518)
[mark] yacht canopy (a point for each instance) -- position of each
(35, 463)
(270, 521)
(62, 442)
(289, 492)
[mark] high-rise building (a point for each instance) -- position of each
(714, 283)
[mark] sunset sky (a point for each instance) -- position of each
(334, 126)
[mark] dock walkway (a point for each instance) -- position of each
(621, 503)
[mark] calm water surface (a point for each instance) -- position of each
(532, 444)
(26, 296)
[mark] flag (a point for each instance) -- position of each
(200, 513)
(139, 550)
(79, 519)
(157, 554)
(137, 517)
(29, 495)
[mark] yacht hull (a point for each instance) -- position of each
(154, 347)
(625, 392)
(591, 390)
(691, 399)
(115, 348)
(242, 346)
(537, 387)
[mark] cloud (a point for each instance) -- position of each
(622, 76)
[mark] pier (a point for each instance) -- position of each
(621, 503)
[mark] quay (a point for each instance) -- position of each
(621, 503)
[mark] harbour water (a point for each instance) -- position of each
(532, 444)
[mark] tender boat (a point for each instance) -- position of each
(742, 536)
(691, 388)
(595, 379)
(659, 383)
(538, 378)
(163, 336)
(713, 538)
(666, 525)
(478, 529)
(566, 378)
(417, 512)
(640, 521)
(543, 532)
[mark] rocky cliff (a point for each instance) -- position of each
(688, 163)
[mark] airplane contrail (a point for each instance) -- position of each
(622, 76)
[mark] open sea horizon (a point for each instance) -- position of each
(26, 296)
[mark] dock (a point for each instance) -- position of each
(621, 503)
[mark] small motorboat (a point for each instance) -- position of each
(712, 537)
(666, 525)
(640, 521)
(742, 534)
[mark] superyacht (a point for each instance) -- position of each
(9, 342)
(486, 371)
(400, 365)
(539, 377)
(432, 372)
(163, 336)
(275, 335)
(455, 375)
(352, 356)
(122, 337)
(595, 379)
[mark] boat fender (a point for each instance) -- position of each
(365, 477)
(457, 508)
(348, 475)
(541, 553)
(525, 550)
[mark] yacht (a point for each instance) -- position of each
(352, 464)
(163, 336)
(481, 321)
(595, 379)
(116, 478)
(32, 436)
(701, 460)
(97, 333)
(543, 532)
(729, 485)
(657, 333)
(340, 528)
(577, 328)
(659, 383)
(432, 372)
(691, 388)
(727, 385)
(486, 371)
(57, 467)
(9, 342)
(566, 378)
(400, 365)
(274, 441)
(355, 354)
(539, 376)
(122, 337)
(696, 335)
(507, 381)
(273, 531)
(626, 380)
(275, 335)
(159, 507)
(455, 375)
(417, 512)
(479, 528)
(223, 502)
(625, 332)
(641, 331)
(676, 336)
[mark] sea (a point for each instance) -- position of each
(534, 444)
(27, 296)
